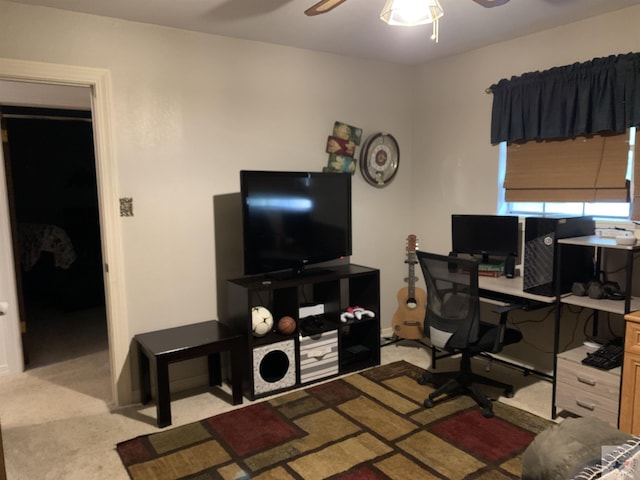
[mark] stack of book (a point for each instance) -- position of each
(491, 269)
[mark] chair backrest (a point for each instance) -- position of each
(453, 304)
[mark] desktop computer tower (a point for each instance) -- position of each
(541, 252)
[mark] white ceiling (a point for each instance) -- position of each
(353, 28)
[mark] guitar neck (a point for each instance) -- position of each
(412, 279)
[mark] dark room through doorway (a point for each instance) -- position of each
(51, 182)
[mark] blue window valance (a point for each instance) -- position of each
(598, 96)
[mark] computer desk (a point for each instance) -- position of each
(508, 292)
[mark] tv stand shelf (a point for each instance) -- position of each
(276, 362)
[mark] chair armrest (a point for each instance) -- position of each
(503, 311)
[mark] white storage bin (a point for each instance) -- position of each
(318, 356)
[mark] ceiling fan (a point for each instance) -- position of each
(323, 6)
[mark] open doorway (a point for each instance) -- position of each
(51, 179)
(67, 86)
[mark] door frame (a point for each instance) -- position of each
(99, 81)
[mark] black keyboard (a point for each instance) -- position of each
(606, 357)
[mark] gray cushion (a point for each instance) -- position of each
(562, 450)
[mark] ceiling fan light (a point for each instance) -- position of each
(410, 13)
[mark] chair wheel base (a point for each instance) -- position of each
(428, 403)
(422, 380)
(508, 393)
(487, 412)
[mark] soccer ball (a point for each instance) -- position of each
(261, 321)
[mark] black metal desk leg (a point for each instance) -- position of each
(215, 377)
(556, 332)
(628, 282)
(163, 400)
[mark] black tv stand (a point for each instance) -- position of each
(298, 273)
(281, 361)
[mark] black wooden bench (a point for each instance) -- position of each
(156, 350)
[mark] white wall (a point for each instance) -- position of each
(191, 110)
(44, 95)
(455, 167)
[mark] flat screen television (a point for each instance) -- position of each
(292, 220)
(492, 237)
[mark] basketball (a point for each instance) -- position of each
(286, 325)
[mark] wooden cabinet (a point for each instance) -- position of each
(584, 390)
(630, 396)
(278, 362)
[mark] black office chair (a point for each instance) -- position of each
(452, 323)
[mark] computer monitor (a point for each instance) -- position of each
(493, 237)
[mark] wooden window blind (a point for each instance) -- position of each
(582, 169)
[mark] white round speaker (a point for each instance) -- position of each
(274, 366)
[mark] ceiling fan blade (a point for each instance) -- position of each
(491, 3)
(323, 6)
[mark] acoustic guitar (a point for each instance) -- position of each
(408, 321)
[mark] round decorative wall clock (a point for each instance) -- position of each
(379, 159)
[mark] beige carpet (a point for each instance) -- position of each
(58, 423)
(362, 426)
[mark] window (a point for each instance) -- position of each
(545, 205)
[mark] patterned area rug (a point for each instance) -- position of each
(365, 426)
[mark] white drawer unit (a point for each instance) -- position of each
(587, 391)
(318, 356)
